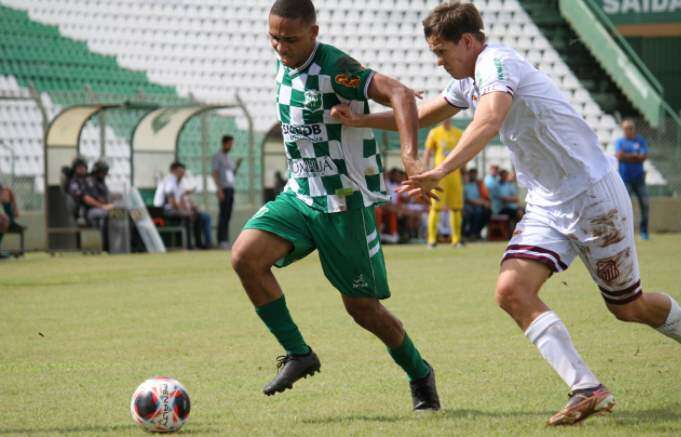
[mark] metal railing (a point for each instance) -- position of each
(624, 45)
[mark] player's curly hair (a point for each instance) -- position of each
(452, 19)
(295, 9)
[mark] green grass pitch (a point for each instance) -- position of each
(79, 333)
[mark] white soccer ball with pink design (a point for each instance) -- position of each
(160, 404)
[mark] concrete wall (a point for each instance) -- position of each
(35, 235)
(665, 216)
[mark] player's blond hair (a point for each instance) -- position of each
(452, 19)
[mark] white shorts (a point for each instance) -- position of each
(598, 226)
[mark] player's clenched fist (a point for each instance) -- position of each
(344, 114)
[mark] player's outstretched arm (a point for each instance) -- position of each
(488, 118)
(430, 113)
(402, 99)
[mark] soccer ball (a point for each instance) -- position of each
(160, 404)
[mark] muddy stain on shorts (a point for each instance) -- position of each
(604, 227)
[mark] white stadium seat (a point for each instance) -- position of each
(214, 49)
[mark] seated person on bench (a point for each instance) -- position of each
(173, 194)
(91, 195)
(8, 215)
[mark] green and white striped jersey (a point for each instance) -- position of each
(331, 167)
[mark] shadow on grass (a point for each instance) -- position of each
(670, 413)
(69, 429)
(113, 429)
(445, 414)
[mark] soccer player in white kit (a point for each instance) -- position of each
(576, 202)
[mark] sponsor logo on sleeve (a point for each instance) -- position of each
(347, 80)
(350, 69)
(500, 68)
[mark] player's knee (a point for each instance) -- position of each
(242, 259)
(358, 311)
(362, 311)
(626, 313)
(507, 296)
(238, 260)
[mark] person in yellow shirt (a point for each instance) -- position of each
(440, 141)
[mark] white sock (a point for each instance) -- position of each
(550, 335)
(672, 326)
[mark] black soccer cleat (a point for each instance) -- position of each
(291, 369)
(424, 392)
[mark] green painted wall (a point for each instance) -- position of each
(642, 11)
(661, 55)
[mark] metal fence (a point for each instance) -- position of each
(665, 156)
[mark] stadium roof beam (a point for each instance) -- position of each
(62, 137)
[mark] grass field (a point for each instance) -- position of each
(79, 333)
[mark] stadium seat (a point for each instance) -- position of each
(499, 228)
(214, 49)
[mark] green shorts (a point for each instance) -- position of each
(348, 243)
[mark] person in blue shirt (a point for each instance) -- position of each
(504, 197)
(631, 151)
(492, 177)
(476, 207)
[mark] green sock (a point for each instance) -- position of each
(409, 359)
(279, 321)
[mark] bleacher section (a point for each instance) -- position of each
(65, 71)
(599, 87)
(213, 49)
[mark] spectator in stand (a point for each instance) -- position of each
(476, 209)
(504, 198)
(8, 215)
(76, 182)
(4, 228)
(224, 173)
(173, 193)
(631, 151)
(279, 182)
(492, 177)
(89, 209)
(90, 196)
(387, 213)
(412, 214)
(97, 200)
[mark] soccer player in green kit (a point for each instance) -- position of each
(335, 179)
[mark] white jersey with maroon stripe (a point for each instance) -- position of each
(555, 153)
